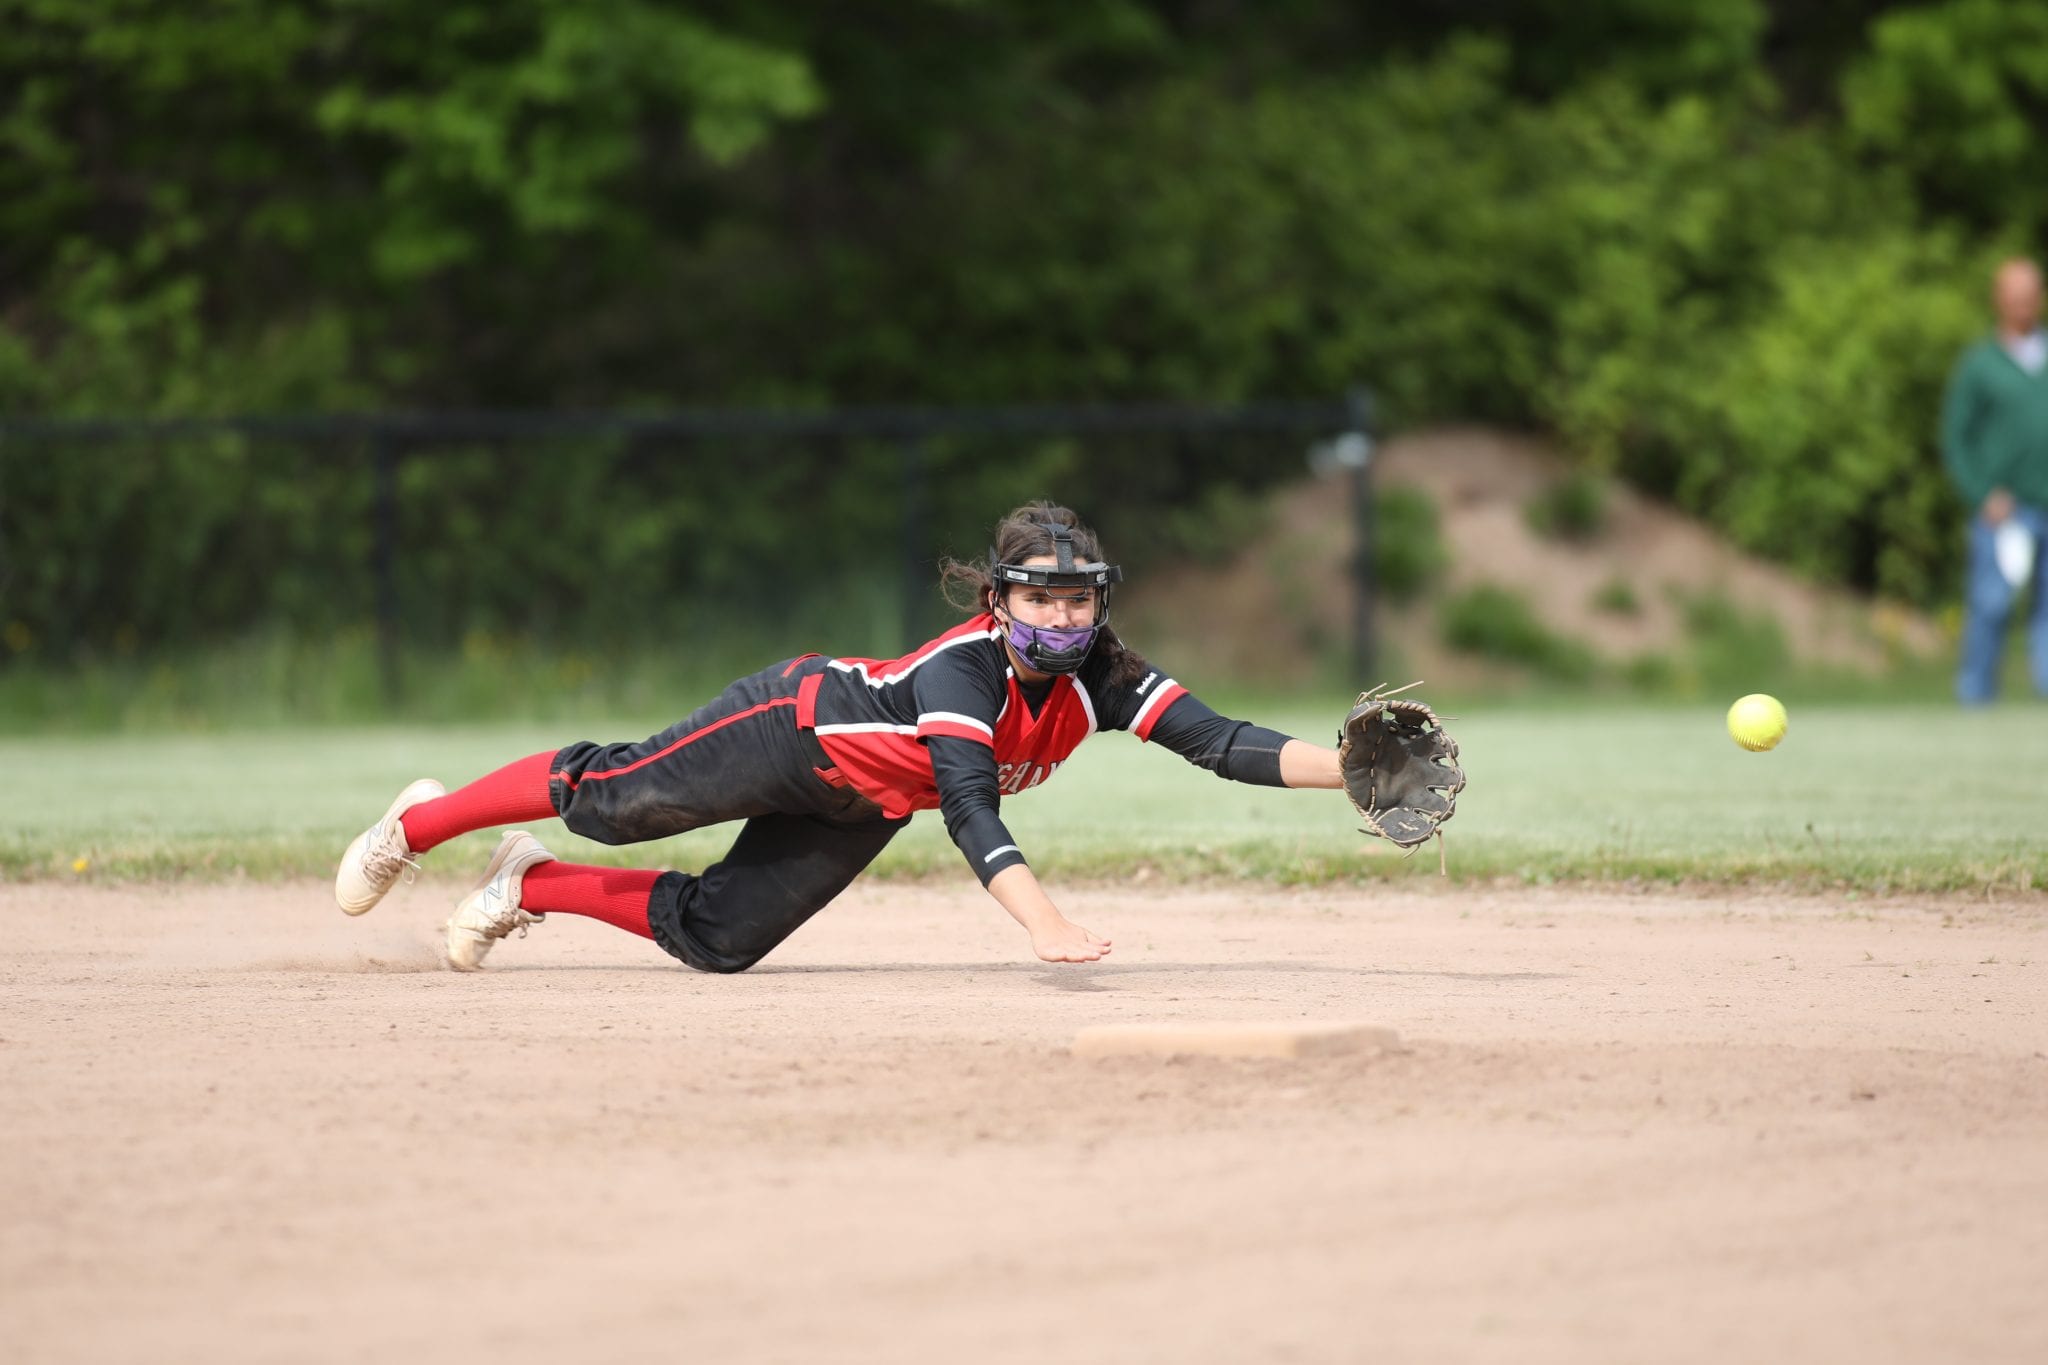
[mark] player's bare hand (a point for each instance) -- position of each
(1067, 941)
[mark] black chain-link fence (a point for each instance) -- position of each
(135, 535)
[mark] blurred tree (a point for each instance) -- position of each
(1958, 94)
(432, 190)
(1720, 246)
(357, 170)
(1662, 47)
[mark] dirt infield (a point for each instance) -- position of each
(1623, 1128)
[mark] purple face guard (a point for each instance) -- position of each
(1056, 649)
(1053, 649)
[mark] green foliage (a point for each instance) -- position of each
(1807, 440)
(1601, 264)
(190, 186)
(1573, 508)
(1956, 93)
(1496, 623)
(185, 540)
(1723, 249)
(504, 202)
(1617, 596)
(1654, 675)
(1732, 650)
(1407, 548)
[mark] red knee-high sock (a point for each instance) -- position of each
(516, 793)
(616, 895)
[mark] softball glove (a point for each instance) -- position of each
(1400, 768)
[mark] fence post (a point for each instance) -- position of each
(384, 558)
(1354, 449)
(6, 650)
(916, 541)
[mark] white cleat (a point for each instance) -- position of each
(373, 862)
(491, 910)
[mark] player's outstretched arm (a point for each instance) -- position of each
(1239, 750)
(1054, 937)
(1303, 764)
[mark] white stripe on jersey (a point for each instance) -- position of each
(1006, 848)
(990, 634)
(879, 727)
(1087, 704)
(1164, 687)
(956, 718)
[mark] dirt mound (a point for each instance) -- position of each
(1283, 607)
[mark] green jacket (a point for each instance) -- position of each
(1994, 427)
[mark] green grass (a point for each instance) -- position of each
(1869, 799)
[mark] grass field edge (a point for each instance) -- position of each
(199, 862)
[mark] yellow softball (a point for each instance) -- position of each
(1757, 722)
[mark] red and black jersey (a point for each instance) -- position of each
(948, 725)
(874, 717)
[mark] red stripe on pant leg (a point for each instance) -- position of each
(514, 794)
(719, 724)
(618, 896)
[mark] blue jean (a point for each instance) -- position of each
(1987, 609)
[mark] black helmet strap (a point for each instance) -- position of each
(1062, 545)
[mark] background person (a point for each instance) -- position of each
(1994, 441)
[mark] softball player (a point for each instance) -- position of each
(825, 759)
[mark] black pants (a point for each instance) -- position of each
(740, 757)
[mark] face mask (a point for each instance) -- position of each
(1052, 649)
(1055, 649)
